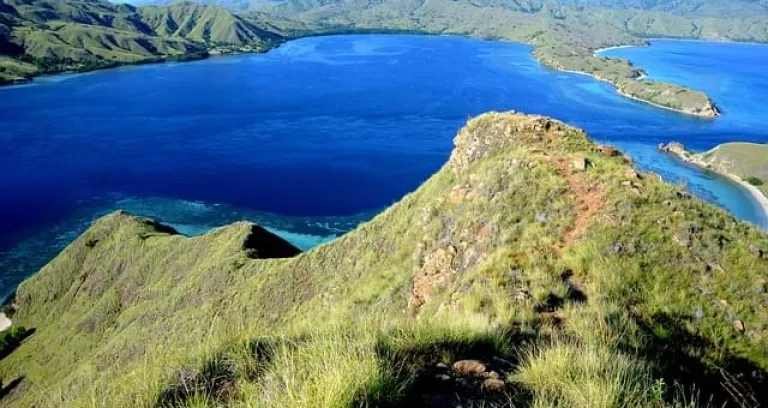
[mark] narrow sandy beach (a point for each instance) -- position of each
(756, 193)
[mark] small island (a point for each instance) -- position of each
(744, 163)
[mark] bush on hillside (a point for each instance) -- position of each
(755, 181)
(11, 338)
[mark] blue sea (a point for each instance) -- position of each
(322, 133)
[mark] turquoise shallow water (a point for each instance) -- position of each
(314, 137)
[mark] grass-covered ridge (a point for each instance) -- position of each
(572, 280)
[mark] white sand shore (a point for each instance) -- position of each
(600, 50)
(5, 322)
(758, 195)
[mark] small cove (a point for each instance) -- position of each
(320, 134)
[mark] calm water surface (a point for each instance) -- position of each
(321, 133)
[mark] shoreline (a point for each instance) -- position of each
(698, 115)
(616, 47)
(626, 95)
(678, 151)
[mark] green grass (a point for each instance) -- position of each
(131, 314)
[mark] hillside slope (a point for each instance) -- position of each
(40, 36)
(535, 268)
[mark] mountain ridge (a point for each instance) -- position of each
(533, 253)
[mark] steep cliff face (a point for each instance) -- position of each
(534, 268)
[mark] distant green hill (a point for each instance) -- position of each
(535, 269)
(49, 36)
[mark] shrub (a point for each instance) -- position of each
(755, 181)
(11, 338)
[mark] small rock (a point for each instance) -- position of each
(541, 217)
(533, 164)
(626, 183)
(607, 150)
(443, 377)
(580, 164)
(493, 385)
(738, 325)
(468, 367)
(633, 175)
(441, 366)
(492, 374)
(668, 203)
(699, 314)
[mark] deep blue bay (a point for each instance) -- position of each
(322, 133)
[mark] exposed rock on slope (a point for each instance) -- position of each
(532, 253)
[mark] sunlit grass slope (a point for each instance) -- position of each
(534, 269)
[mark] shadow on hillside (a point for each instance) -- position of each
(216, 378)
(6, 389)
(679, 354)
(450, 374)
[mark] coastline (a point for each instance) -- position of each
(698, 115)
(615, 47)
(626, 95)
(150, 61)
(677, 150)
(758, 195)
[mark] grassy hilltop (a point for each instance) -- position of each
(534, 269)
